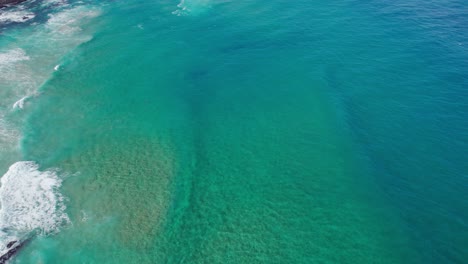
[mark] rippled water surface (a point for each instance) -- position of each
(213, 131)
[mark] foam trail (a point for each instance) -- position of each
(16, 16)
(12, 56)
(16, 77)
(54, 3)
(20, 103)
(193, 7)
(182, 9)
(9, 137)
(30, 203)
(15, 80)
(23, 71)
(68, 21)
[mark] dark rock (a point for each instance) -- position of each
(13, 248)
(10, 244)
(10, 2)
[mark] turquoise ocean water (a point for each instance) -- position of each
(217, 131)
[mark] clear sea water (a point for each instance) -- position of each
(220, 131)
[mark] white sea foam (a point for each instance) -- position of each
(22, 74)
(30, 202)
(182, 9)
(29, 198)
(54, 2)
(9, 137)
(69, 21)
(17, 79)
(193, 7)
(12, 56)
(20, 103)
(11, 66)
(17, 16)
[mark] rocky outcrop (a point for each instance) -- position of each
(13, 248)
(10, 2)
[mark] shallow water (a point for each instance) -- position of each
(237, 132)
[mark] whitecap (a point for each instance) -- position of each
(193, 7)
(54, 2)
(20, 103)
(182, 9)
(16, 16)
(30, 202)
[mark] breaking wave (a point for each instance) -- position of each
(30, 203)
